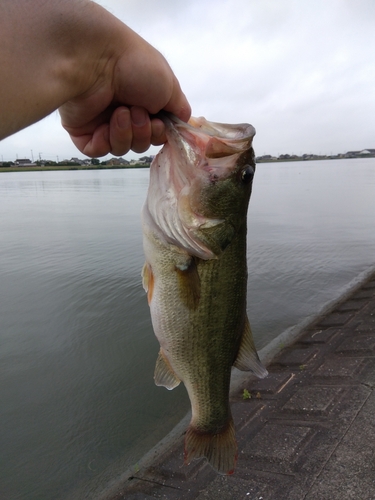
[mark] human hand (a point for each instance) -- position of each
(104, 78)
(113, 114)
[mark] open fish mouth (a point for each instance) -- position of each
(225, 131)
(202, 141)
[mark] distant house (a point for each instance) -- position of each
(77, 161)
(351, 154)
(117, 161)
(363, 152)
(265, 158)
(145, 159)
(24, 162)
(111, 161)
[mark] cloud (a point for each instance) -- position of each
(301, 72)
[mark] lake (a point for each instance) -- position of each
(77, 351)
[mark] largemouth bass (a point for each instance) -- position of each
(195, 275)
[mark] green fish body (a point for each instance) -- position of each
(195, 275)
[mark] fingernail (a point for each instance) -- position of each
(123, 119)
(139, 116)
(157, 128)
(185, 113)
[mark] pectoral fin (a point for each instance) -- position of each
(247, 357)
(189, 285)
(148, 281)
(164, 374)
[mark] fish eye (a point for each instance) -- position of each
(247, 174)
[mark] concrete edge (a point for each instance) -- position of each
(267, 354)
(165, 444)
(288, 336)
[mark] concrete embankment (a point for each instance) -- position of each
(307, 431)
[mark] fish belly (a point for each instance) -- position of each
(198, 311)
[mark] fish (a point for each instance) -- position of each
(194, 223)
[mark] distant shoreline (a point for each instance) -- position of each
(282, 160)
(72, 167)
(146, 165)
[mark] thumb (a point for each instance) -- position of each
(178, 104)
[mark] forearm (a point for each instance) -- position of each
(49, 54)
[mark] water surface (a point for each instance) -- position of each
(77, 352)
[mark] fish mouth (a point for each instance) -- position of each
(204, 148)
(227, 131)
(210, 140)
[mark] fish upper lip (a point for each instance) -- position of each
(206, 145)
(241, 131)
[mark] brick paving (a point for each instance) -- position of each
(308, 429)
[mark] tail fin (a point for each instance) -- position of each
(219, 449)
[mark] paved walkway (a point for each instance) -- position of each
(308, 430)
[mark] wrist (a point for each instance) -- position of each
(85, 48)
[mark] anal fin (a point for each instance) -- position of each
(247, 357)
(164, 374)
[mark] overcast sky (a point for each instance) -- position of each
(301, 71)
